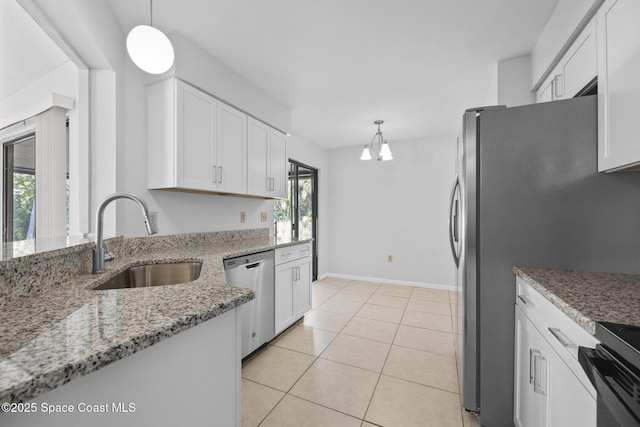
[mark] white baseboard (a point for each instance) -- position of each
(389, 281)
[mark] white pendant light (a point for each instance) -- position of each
(149, 48)
(385, 152)
(379, 147)
(366, 153)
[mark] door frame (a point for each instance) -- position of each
(295, 231)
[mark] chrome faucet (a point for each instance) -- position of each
(100, 253)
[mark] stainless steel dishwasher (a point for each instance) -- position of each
(256, 272)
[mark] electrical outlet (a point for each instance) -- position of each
(243, 217)
(390, 258)
(263, 216)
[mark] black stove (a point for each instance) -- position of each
(613, 368)
(624, 340)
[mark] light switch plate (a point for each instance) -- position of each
(243, 216)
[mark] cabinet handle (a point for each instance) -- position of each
(526, 301)
(560, 336)
(220, 168)
(540, 374)
(557, 83)
(532, 367)
(298, 268)
(214, 174)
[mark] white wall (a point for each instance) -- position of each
(309, 153)
(397, 208)
(118, 123)
(62, 80)
(514, 81)
(177, 212)
(196, 67)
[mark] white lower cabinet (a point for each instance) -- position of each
(528, 409)
(293, 285)
(149, 387)
(550, 387)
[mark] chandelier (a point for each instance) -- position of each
(379, 147)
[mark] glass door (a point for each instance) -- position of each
(296, 217)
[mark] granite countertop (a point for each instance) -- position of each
(588, 297)
(67, 330)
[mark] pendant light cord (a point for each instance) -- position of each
(151, 13)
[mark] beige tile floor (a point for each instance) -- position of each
(368, 354)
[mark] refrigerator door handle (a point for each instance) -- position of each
(454, 216)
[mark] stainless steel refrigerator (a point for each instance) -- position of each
(527, 193)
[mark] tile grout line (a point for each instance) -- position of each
(287, 393)
(350, 319)
(385, 361)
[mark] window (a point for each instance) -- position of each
(29, 190)
(19, 189)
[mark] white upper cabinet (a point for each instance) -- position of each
(576, 69)
(618, 84)
(279, 164)
(258, 149)
(195, 139)
(267, 161)
(231, 153)
(195, 142)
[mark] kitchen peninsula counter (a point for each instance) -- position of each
(588, 297)
(52, 334)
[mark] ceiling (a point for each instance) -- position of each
(26, 52)
(338, 64)
(341, 64)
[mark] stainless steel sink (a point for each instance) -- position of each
(146, 275)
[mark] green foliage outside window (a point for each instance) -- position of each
(24, 193)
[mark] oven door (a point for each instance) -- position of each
(618, 387)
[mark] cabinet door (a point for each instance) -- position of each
(278, 172)
(258, 158)
(618, 83)
(528, 406)
(545, 93)
(568, 401)
(302, 291)
(231, 153)
(196, 138)
(579, 65)
(284, 296)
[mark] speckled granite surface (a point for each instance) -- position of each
(588, 297)
(66, 330)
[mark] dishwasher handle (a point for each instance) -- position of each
(253, 265)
